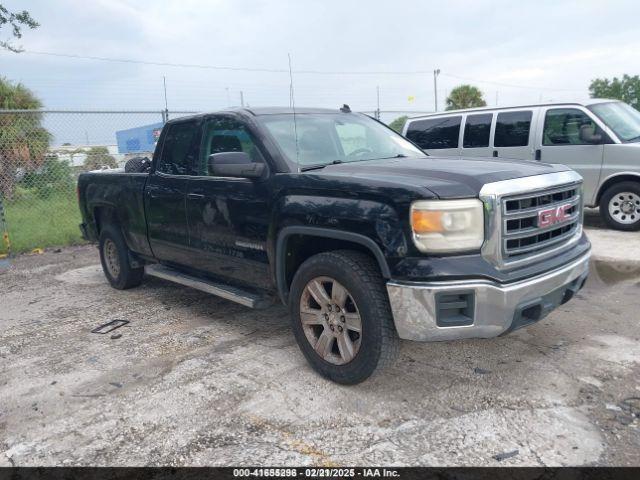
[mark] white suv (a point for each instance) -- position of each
(600, 139)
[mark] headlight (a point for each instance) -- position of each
(447, 225)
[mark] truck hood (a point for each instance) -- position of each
(446, 177)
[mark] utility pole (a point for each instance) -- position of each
(496, 98)
(435, 88)
(378, 102)
(241, 99)
(165, 114)
(228, 99)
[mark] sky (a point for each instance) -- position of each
(516, 52)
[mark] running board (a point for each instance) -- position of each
(235, 294)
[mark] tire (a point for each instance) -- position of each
(352, 356)
(620, 206)
(137, 165)
(114, 256)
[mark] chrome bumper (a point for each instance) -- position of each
(497, 308)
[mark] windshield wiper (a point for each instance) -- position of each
(397, 155)
(319, 166)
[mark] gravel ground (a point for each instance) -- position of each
(196, 380)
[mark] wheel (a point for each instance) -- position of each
(114, 256)
(620, 206)
(341, 316)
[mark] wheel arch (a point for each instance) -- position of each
(616, 178)
(104, 214)
(317, 240)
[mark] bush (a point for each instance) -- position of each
(55, 176)
(98, 157)
(398, 123)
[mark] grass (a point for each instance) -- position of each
(34, 222)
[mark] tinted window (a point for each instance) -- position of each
(226, 135)
(435, 133)
(562, 126)
(179, 149)
(512, 129)
(476, 130)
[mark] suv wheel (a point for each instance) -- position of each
(114, 256)
(341, 316)
(620, 206)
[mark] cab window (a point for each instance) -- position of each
(512, 129)
(180, 149)
(226, 135)
(435, 133)
(562, 126)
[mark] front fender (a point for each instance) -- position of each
(370, 223)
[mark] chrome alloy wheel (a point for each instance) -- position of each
(111, 257)
(330, 320)
(624, 207)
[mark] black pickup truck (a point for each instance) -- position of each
(364, 237)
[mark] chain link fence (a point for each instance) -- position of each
(41, 155)
(43, 152)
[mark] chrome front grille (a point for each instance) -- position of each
(532, 218)
(523, 231)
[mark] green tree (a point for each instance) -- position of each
(626, 89)
(398, 123)
(98, 157)
(16, 20)
(23, 140)
(465, 96)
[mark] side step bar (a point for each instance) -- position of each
(235, 294)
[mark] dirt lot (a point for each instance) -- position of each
(196, 380)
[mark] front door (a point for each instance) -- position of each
(229, 217)
(165, 193)
(560, 142)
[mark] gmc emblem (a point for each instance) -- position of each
(551, 216)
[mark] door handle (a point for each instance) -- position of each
(495, 153)
(538, 154)
(195, 196)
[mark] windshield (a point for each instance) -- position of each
(623, 119)
(325, 138)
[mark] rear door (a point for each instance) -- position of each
(559, 142)
(514, 134)
(229, 217)
(438, 135)
(165, 193)
(476, 136)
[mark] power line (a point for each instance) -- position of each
(284, 70)
(510, 85)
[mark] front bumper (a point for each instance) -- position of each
(480, 308)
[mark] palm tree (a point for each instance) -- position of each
(23, 140)
(465, 96)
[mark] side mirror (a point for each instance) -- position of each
(588, 135)
(234, 164)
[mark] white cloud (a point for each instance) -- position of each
(557, 47)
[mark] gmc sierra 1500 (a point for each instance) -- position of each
(364, 237)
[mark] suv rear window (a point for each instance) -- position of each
(477, 129)
(435, 133)
(512, 129)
